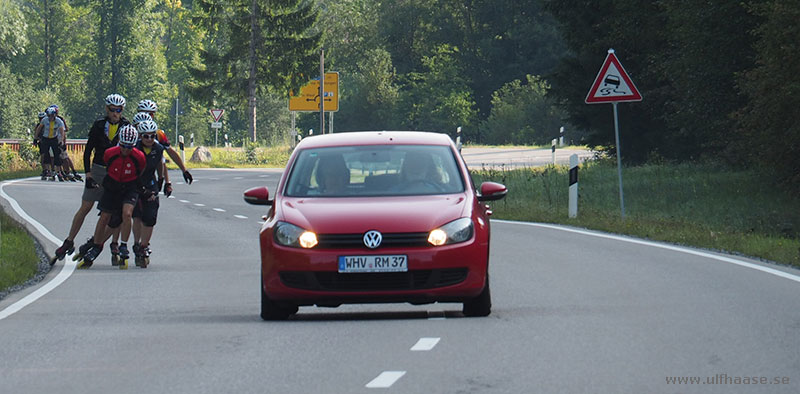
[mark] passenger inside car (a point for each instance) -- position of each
(332, 175)
(418, 173)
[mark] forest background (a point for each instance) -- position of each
(720, 79)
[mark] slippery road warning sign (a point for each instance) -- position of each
(612, 84)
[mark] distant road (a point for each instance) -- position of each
(510, 157)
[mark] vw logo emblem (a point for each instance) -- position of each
(372, 239)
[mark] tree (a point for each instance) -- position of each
(256, 47)
(770, 133)
(13, 36)
(523, 114)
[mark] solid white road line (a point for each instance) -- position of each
(385, 379)
(66, 270)
(425, 344)
(674, 248)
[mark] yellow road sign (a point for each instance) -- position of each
(308, 99)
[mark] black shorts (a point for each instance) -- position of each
(45, 146)
(147, 211)
(112, 202)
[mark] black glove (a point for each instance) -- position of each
(187, 177)
(149, 195)
(167, 189)
(91, 183)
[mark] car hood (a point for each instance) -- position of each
(385, 214)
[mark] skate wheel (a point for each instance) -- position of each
(77, 257)
(123, 264)
(83, 264)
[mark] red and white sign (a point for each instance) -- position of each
(216, 114)
(612, 84)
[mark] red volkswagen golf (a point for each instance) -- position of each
(375, 217)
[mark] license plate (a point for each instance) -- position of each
(373, 263)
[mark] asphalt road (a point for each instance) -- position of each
(574, 312)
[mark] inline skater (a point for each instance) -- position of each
(36, 130)
(146, 211)
(149, 107)
(102, 135)
(121, 189)
(67, 167)
(50, 134)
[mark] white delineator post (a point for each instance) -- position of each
(573, 186)
(554, 150)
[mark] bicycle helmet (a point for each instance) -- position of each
(140, 117)
(147, 105)
(127, 136)
(50, 111)
(147, 127)
(55, 107)
(42, 115)
(115, 99)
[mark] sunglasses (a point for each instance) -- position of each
(117, 110)
(148, 136)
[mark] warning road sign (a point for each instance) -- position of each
(612, 84)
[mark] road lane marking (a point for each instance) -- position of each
(66, 270)
(385, 380)
(425, 344)
(673, 248)
(185, 201)
(238, 177)
(219, 209)
(199, 205)
(240, 216)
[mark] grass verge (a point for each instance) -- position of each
(736, 211)
(18, 259)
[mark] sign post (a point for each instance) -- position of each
(216, 124)
(617, 87)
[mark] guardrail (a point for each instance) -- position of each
(76, 146)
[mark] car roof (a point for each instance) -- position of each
(375, 138)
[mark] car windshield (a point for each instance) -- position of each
(397, 170)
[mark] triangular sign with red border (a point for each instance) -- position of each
(216, 114)
(612, 84)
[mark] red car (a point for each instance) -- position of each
(375, 217)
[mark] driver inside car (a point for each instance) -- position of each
(333, 176)
(418, 173)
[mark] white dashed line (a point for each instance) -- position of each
(185, 201)
(385, 379)
(219, 209)
(240, 216)
(263, 176)
(425, 344)
(199, 205)
(238, 177)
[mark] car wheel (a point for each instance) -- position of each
(272, 311)
(480, 305)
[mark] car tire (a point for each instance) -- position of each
(272, 311)
(481, 305)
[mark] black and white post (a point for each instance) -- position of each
(573, 186)
(554, 150)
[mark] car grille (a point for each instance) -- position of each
(340, 241)
(373, 281)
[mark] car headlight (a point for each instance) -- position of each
(288, 234)
(459, 230)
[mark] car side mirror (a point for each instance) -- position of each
(492, 191)
(257, 196)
